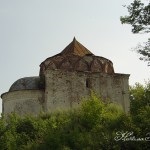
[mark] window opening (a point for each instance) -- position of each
(88, 83)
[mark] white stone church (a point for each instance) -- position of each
(63, 81)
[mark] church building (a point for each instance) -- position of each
(64, 80)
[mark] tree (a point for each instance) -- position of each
(139, 19)
(139, 98)
(93, 125)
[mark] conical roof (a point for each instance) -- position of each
(76, 48)
(76, 57)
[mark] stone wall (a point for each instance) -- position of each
(23, 102)
(66, 89)
(112, 87)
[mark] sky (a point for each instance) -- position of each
(33, 30)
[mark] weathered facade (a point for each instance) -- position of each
(63, 81)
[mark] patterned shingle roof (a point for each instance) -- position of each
(76, 57)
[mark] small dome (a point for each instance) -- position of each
(75, 57)
(27, 83)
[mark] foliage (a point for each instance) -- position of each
(139, 16)
(139, 19)
(92, 126)
(140, 106)
(140, 97)
(144, 50)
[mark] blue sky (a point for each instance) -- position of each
(32, 30)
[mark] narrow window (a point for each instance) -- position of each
(88, 83)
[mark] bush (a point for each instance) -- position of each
(92, 126)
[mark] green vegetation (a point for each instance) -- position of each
(95, 125)
(139, 19)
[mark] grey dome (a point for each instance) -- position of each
(27, 83)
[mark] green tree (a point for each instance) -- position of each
(139, 19)
(140, 106)
(91, 126)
